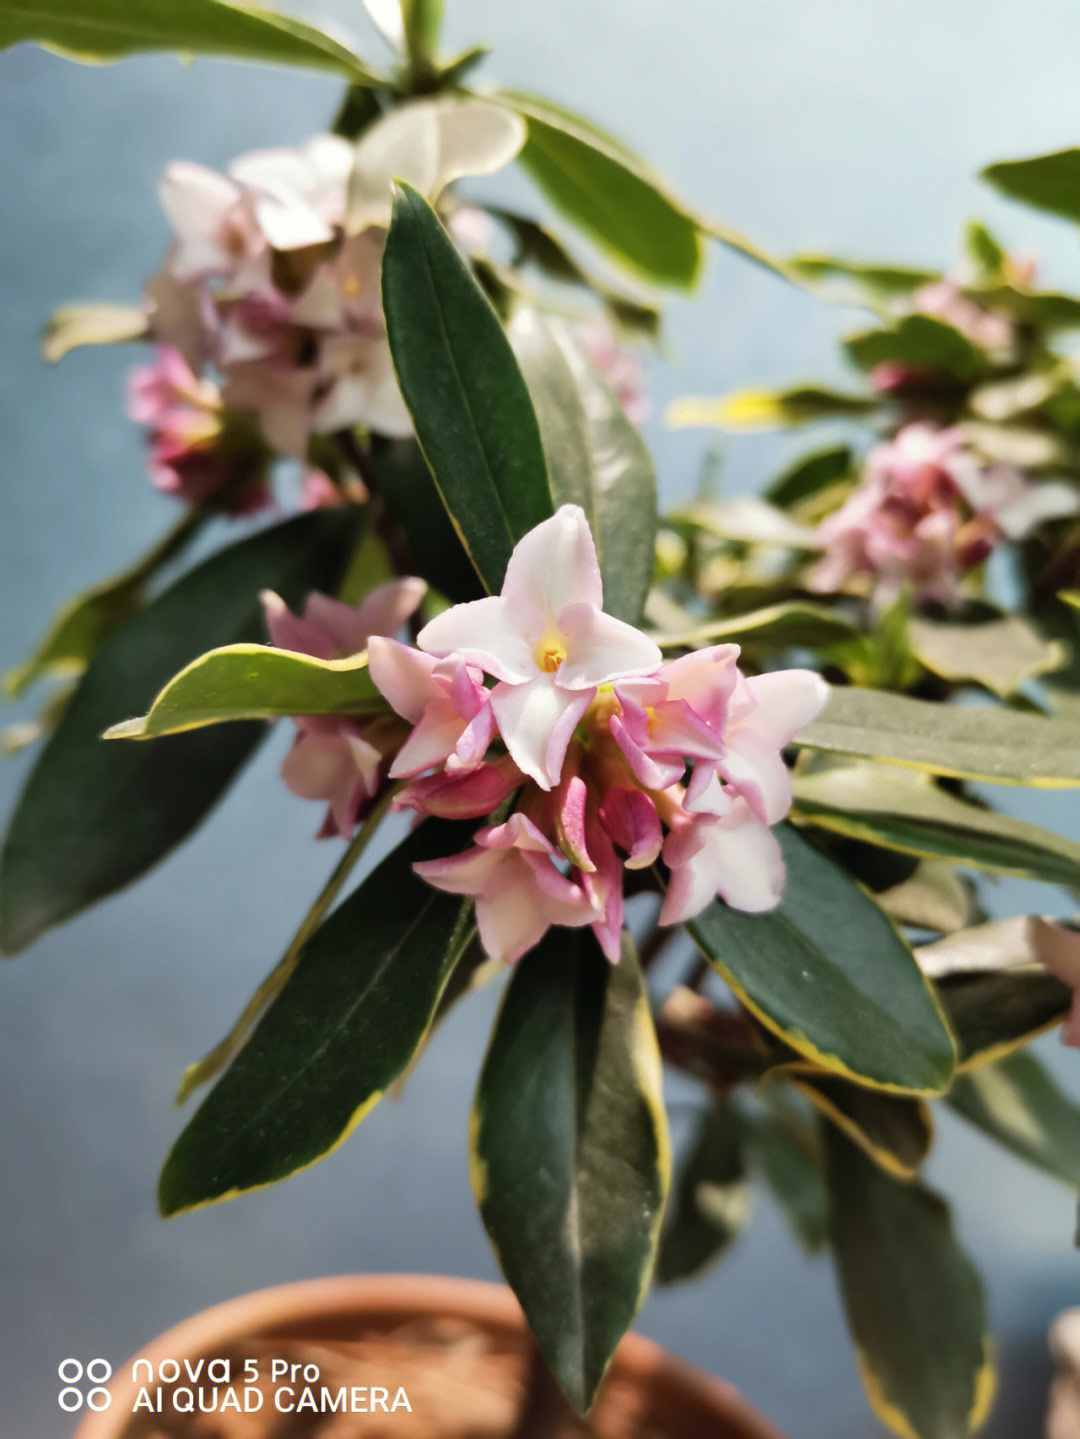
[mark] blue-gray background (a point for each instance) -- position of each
(845, 127)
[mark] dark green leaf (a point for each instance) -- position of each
(809, 477)
(907, 811)
(709, 1199)
(921, 342)
(994, 1014)
(345, 1026)
(994, 982)
(913, 1300)
(828, 973)
(894, 1131)
(595, 456)
(432, 547)
(469, 403)
(1017, 1103)
(78, 630)
(1047, 182)
(790, 1160)
(609, 193)
(93, 815)
(1001, 745)
(98, 30)
(570, 1150)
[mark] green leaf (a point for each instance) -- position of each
(1000, 653)
(466, 395)
(536, 245)
(1017, 1103)
(95, 816)
(994, 1014)
(609, 193)
(96, 30)
(1043, 308)
(570, 1151)
(790, 1161)
(879, 280)
(980, 742)
(775, 627)
(913, 1300)
(829, 974)
(1047, 182)
(921, 342)
(895, 1132)
(994, 982)
(709, 1201)
(983, 249)
(767, 409)
(344, 1027)
(93, 324)
(808, 477)
(241, 682)
(80, 628)
(596, 457)
(906, 811)
(433, 549)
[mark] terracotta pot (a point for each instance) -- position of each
(457, 1349)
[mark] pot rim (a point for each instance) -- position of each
(285, 1306)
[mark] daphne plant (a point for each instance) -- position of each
(743, 750)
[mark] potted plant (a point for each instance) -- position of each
(746, 725)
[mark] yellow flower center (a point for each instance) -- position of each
(550, 654)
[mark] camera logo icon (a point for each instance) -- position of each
(74, 1376)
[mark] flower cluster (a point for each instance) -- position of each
(928, 510)
(616, 758)
(272, 283)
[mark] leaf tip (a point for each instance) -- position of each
(128, 729)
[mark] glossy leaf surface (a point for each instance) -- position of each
(828, 972)
(1017, 1103)
(469, 403)
(609, 193)
(94, 816)
(345, 1026)
(570, 1150)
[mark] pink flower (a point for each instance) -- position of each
(335, 758)
(546, 640)
(197, 451)
(443, 700)
(620, 367)
(518, 889)
(926, 512)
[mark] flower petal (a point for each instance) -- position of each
(483, 634)
(552, 566)
(600, 648)
(536, 721)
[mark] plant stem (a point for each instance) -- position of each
(211, 1065)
